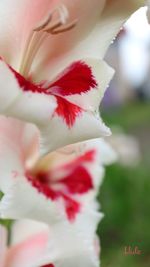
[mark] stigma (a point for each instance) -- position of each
(56, 22)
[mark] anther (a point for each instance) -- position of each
(63, 29)
(44, 24)
(63, 16)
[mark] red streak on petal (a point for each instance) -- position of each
(79, 181)
(27, 85)
(43, 188)
(72, 207)
(67, 111)
(48, 265)
(89, 157)
(76, 79)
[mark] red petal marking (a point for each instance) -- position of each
(79, 181)
(42, 185)
(87, 157)
(76, 79)
(72, 207)
(68, 111)
(27, 85)
(48, 265)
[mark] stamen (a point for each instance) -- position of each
(27, 52)
(40, 33)
(44, 24)
(32, 51)
(66, 28)
(56, 25)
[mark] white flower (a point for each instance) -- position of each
(58, 186)
(65, 107)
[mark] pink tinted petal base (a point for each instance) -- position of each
(28, 252)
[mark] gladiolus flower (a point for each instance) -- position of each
(50, 189)
(59, 189)
(71, 100)
(35, 244)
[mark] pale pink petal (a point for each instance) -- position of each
(78, 242)
(29, 252)
(30, 13)
(21, 198)
(101, 21)
(18, 144)
(17, 19)
(30, 144)
(13, 34)
(11, 156)
(3, 244)
(22, 230)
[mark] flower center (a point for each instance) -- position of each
(54, 23)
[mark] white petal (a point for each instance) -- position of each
(102, 74)
(29, 240)
(9, 88)
(112, 19)
(23, 229)
(24, 105)
(22, 200)
(78, 242)
(95, 41)
(36, 108)
(106, 153)
(57, 134)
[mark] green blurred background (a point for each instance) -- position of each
(125, 194)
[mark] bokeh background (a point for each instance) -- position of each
(125, 193)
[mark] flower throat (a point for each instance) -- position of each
(50, 25)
